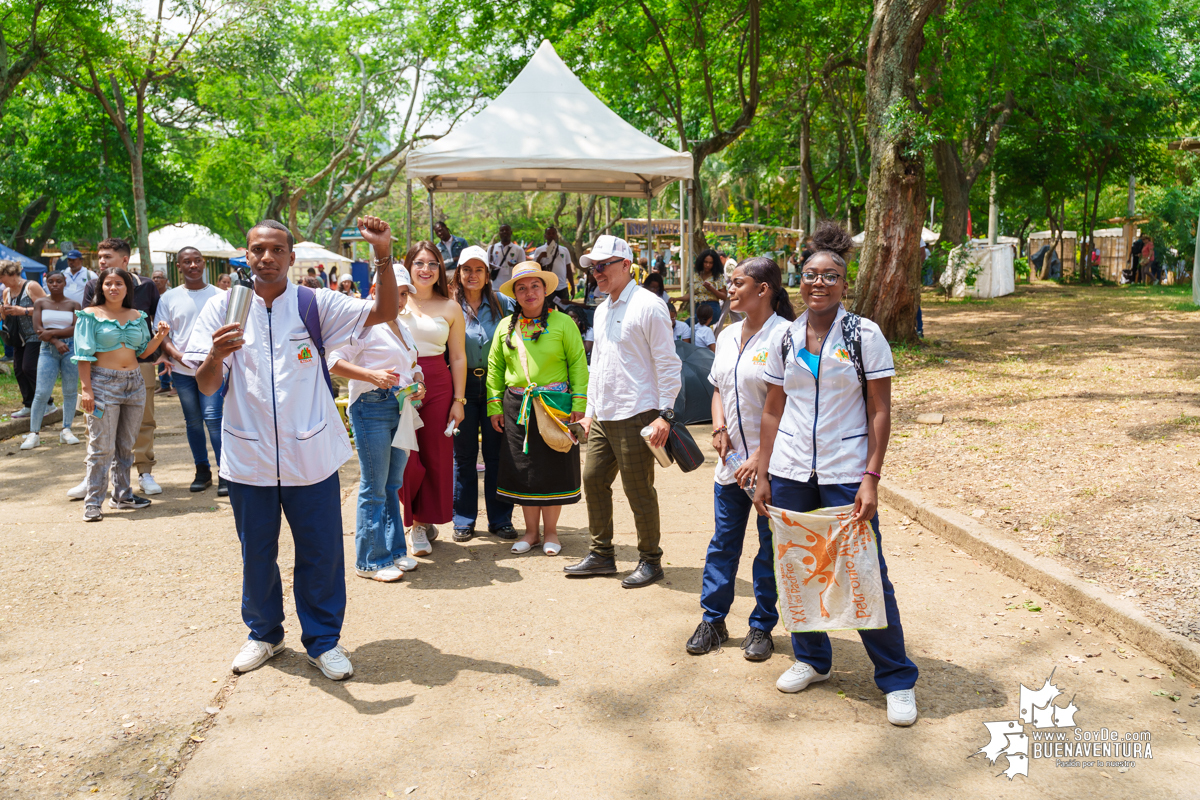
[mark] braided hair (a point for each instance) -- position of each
(515, 320)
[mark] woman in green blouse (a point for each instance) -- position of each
(537, 355)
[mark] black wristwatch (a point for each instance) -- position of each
(668, 414)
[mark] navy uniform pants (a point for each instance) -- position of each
(315, 516)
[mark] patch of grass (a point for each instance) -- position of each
(1185, 306)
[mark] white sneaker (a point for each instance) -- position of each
(22, 414)
(798, 677)
(385, 575)
(432, 532)
(902, 707)
(254, 654)
(420, 543)
(148, 484)
(406, 563)
(79, 492)
(32, 440)
(66, 437)
(334, 664)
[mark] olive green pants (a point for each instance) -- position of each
(617, 446)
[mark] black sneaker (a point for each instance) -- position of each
(708, 637)
(222, 488)
(464, 534)
(132, 501)
(203, 478)
(758, 645)
(507, 532)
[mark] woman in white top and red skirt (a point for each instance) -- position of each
(437, 326)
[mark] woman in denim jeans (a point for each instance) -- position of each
(54, 323)
(379, 364)
(483, 309)
(110, 337)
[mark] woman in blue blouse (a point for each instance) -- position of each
(110, 336)
(483, 310)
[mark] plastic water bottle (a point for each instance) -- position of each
(734, 461)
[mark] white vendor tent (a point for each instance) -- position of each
(310, 254)
(170, 238)
(927, 236)
(993, 268)
(547, 132)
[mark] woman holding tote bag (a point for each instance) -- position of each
(820, 455)
(537, 382)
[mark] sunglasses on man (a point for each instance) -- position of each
(599, 268)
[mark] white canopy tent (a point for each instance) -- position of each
(170, 238)
(547, 132)
(927, 236)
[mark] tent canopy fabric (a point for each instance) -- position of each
(8, 254)
(927, 236)
(547, 132)
(309, 254)
(172, 238)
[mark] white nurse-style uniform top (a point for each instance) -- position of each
(823, 430)
(737, 372)
(280, 425)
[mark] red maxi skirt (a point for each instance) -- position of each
(428, 490)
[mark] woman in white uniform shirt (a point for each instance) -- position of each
(756, 290)
(378, 364)
(830, 453)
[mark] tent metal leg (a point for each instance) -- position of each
(649, 231)
(432, 236)
(691, 219)
(408, 227)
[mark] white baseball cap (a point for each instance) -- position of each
(606, 247)
(473, 253)
(402, 276)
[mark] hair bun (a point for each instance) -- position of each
(831, 236)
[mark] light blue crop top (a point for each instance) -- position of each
(93, 335)
(811, 359)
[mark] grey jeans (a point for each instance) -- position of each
(122, 393)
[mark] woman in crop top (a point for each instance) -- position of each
(437, 325)
(110, 336)
(54, 324)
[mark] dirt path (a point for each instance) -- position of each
(490, 675)
(1072, 425)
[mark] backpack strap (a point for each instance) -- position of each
(852, 334)
(306, 298)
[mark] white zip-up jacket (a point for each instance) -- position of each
(823, 430)
(280, 425)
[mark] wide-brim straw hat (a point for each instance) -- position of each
(527, 269)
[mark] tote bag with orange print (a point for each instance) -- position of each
(827, 571)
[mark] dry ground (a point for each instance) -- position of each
(1072, 425)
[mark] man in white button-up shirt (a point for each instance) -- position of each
(635, 376)
(503, 256)
(282, 439)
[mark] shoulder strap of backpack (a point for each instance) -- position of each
(306, 298)
(852, 335)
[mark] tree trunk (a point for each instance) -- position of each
(140, 211)
(956, 192)
(889, 276)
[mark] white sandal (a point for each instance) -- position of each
(520, 548)
(551, 548)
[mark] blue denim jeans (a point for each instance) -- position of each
(200, 411)
(732, 508)
(476, 426)
(885, 647)
(50, 366)
(379, 529)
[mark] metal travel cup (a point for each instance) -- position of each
(660, 453)
(241, 295)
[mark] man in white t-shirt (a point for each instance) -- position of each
(557, 259)
(77, 276)
(181, 307)
(502, 257)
